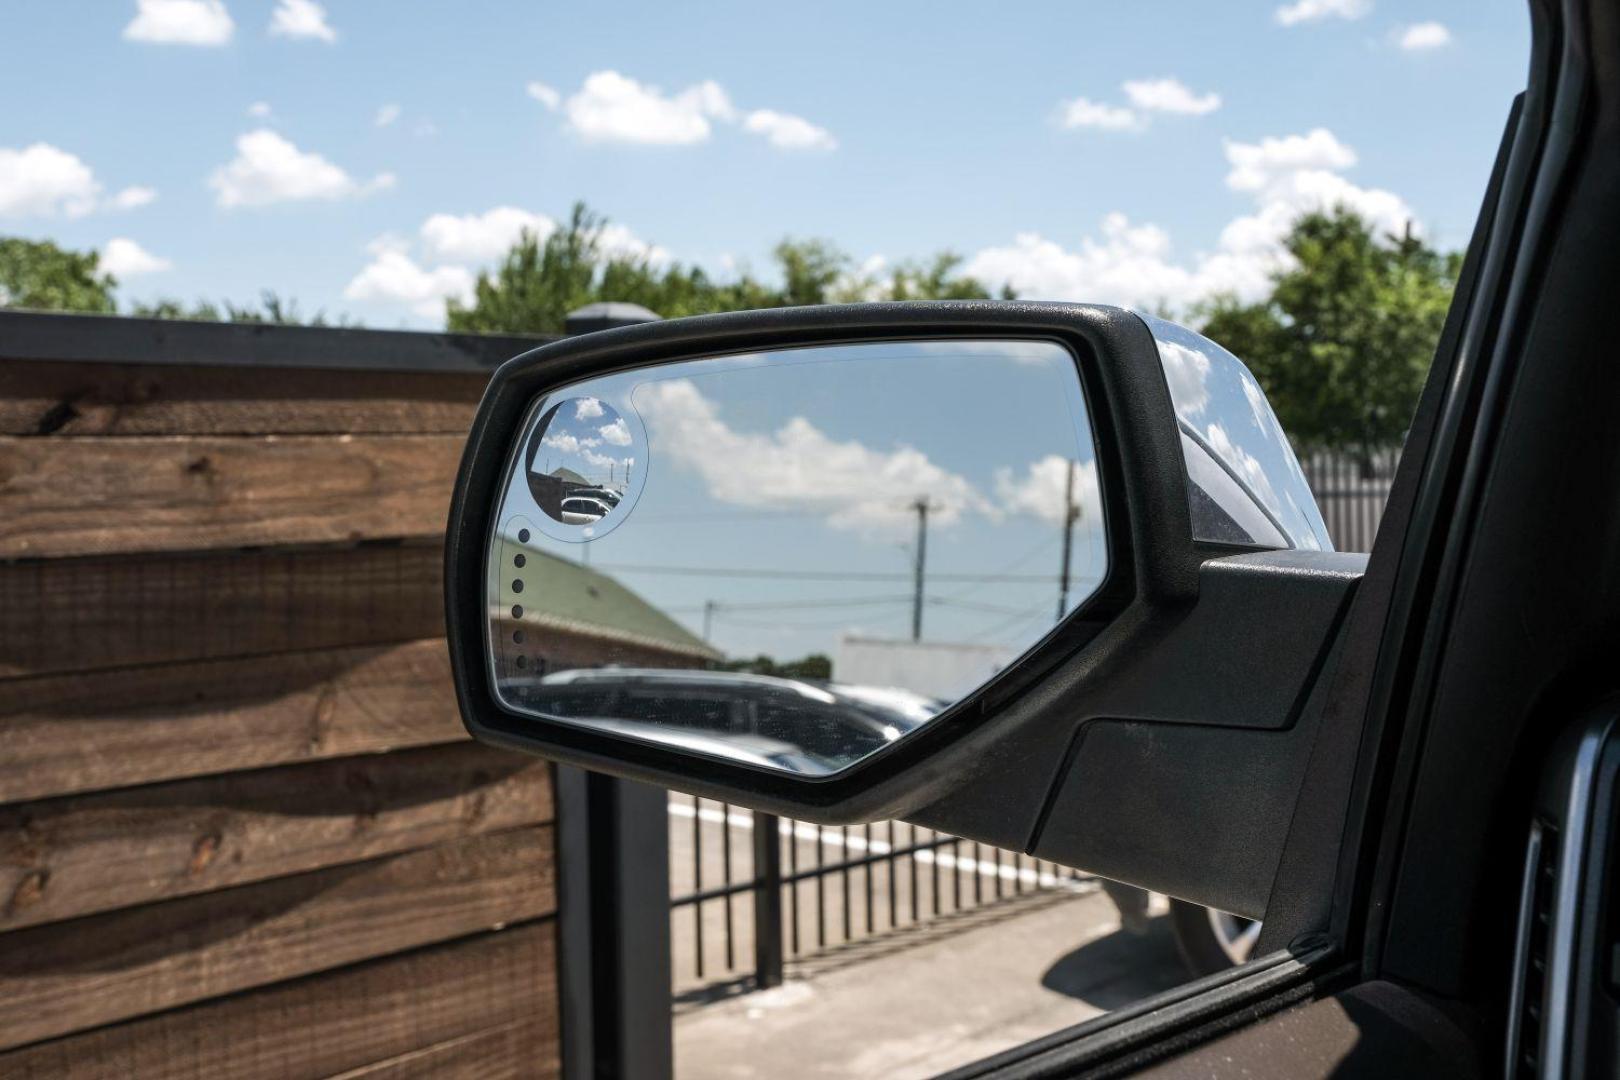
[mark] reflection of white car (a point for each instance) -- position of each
(580, 510)
(600, 494)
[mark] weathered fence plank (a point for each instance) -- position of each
(65, 734)
(59, 615)
(89, 496)
(330, 1024)
(65, 858)
(50, 398)
(69, 976)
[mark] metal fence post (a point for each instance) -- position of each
(613, 932)
(767, 900)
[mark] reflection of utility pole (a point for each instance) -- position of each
(921, 506)
(708, 617)
(1070, 513)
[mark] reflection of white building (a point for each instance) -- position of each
(939, 669)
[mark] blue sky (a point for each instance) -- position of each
(369, 158)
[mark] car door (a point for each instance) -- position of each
(1366, 787)
(1414, 885)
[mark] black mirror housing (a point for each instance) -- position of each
(1152, 569)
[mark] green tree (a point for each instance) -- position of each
(938, 280)
(272, 311)
(539, 282)
(39, 275)
(813, 666)
(1343, 343)
(810, 270)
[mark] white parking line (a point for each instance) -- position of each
(834, 836)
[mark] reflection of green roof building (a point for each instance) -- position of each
(571, 599)
(568, 475)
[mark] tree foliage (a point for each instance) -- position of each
(539, 282)
(37, 274)
(271, 310)
(1343, 343)
(813, 666)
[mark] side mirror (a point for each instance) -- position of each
(883, 560)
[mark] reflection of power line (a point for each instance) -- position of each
(739, 515)
(1014, 622)
(820, 624)
(969, 605)
(787, 605)
(1025, 559)
(814, 575)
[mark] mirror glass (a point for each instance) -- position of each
(792, 560)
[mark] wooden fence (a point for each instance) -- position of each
(241, 830)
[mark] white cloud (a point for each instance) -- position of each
(132, 197)
(301, 20)
(544, 94)
(42, 181)
(1258, 165)
(387, 115)
(617, 239)
(481, 237)
(610, 107)
(394, 277)
(569, 443)
(588, 408)
(1423, 36)
(259, 110)
(788, 132)
(1134, 264)
(180, 22)
(616, 433)
(269, 169)
(1171, 96)
(1305, 11)
(1043, 491)
(800, 467)
(1084, 113)
(124, 258)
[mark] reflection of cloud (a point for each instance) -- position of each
(1187, 371)
(1246, 464)
(587, 408)
(606, 461)
(1043, 489)
(568, 444)
(615, 433)
(798, 466)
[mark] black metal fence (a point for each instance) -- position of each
(1351, 490)
(751, 892)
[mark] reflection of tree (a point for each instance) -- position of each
(814, 666)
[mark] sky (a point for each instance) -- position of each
(368, 159)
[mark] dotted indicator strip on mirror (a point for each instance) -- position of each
(512, 627)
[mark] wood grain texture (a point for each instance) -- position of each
(72, 976)
(513, 1050)
(375, 1013)
(59, 615)
(84, 496)
(65, 858)
(66, 734)
(53, 398)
